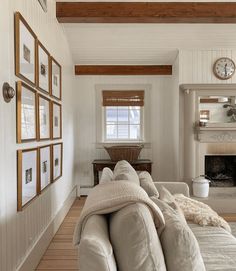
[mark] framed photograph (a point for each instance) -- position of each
(43, 70)
(44, 4)
(43, 118)
(26, 113)
(56, 121)
(27, 177)
(57, 156)
(44, 166)
(55, 79)
(25, 50)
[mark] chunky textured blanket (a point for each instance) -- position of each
(112, 196)
(200, 213)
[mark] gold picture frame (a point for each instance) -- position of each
(26, 108)
(27, 177)
(25, 51)
(57, 161)
(43, 118)
(56, 79)
(56, 120)
(45, 167)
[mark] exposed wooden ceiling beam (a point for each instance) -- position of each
(123, 70)
(146, 12)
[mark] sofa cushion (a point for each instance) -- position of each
(146, 182)
(218, 247)
(107, 175)
(124, 171)
(135, 241)
(95, 248)
(179, 244)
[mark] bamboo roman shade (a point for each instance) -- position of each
(123, 98)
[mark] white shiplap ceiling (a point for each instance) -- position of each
(143, 43)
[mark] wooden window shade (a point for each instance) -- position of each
(123, 98)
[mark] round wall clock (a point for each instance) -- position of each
(224, 68)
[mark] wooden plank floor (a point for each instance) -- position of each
(61, 254)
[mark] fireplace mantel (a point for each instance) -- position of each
(216, 135)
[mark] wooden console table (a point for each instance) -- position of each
(139, 165)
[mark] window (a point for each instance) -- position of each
(123, 115)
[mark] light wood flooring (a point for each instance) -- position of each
(61, 254)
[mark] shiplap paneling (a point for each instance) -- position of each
(20, 231)
(196, 66)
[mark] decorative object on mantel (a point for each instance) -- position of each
(44, 4)
(231, 111)
(129, 153)
(224, 68)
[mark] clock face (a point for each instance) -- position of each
(224, 68)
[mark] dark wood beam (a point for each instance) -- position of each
(123, 70)
(146, 12)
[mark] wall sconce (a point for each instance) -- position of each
(8, 92)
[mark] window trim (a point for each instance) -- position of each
(100, 113)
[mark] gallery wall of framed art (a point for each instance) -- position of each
(38, 114)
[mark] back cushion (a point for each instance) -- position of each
(135, 241)
(124, 171)
(95, 250)
(146, 182)
(179, 244)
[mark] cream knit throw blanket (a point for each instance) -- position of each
(200, 213)
(112, 196)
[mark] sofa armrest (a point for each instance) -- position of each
(175, 187)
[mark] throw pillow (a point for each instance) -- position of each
(146, 182)
(107, 175)
(135, 241)
(179, 244)
(124, 171)
(168, 198)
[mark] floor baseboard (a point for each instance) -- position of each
(35, 254)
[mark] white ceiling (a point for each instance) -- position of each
(143, 43)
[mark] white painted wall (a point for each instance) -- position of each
(164, 122)
(196, 66)
(20, 231)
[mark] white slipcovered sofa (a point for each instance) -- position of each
(128, 240)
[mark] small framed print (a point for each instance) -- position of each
(25, 50)
(43, 118)
(56, 121)
(43, 70)
(57, 156)
(26, 113)
(55, 79)
(27, 177)
(44, 166)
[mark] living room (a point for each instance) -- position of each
(82, 62)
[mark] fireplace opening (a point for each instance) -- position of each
(221, 170)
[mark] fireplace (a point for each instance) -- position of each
(221, 170)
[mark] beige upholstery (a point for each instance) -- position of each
(107, 175)
(179, 244)
(124, 171)
(146, 182)
(218, 247)
(135, 241)
(174, 187)
(95, 250)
